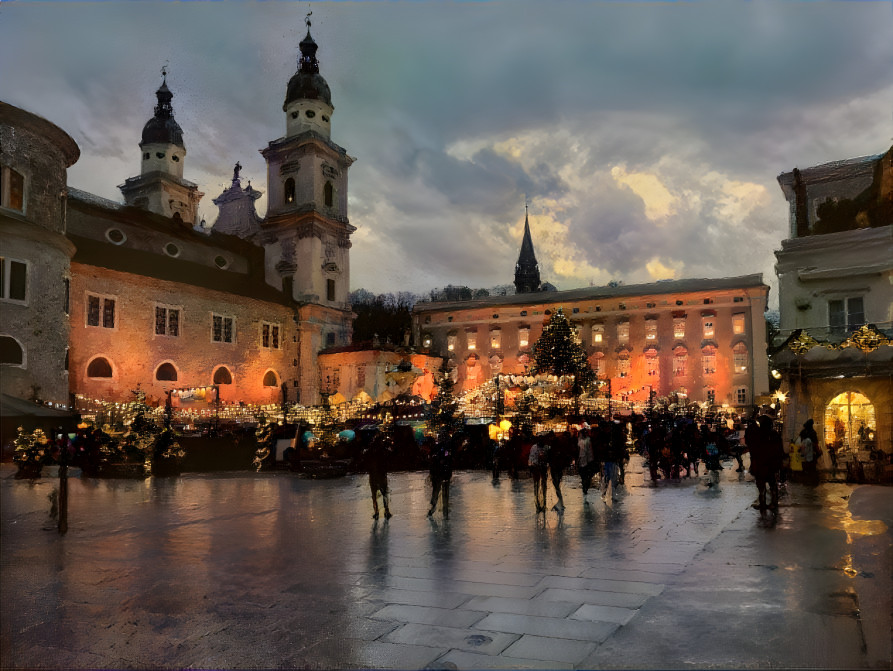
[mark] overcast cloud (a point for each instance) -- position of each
(646, 137)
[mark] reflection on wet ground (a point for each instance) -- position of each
(271, 570)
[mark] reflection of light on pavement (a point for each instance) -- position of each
(841, 519)
(848, 566)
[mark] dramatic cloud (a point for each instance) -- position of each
(645, 137)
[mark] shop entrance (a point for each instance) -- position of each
(850, 423)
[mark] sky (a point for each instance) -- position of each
(646, 138)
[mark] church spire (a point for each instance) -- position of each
(527, 271)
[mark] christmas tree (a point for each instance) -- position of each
(558, 352)
(444, 405)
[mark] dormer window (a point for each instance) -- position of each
(289, 190)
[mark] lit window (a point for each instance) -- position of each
(269, 335)
(471, 339)
(739, 357)
(222, 328)
(652, 364)
(524, 336)
(578, 332)
(708, 360)
(167, 321)
(12, 189)
(13, 280)
(679, 327)
(598, 334)
(495, 339)
(708, 327)
(738, 323)
(623, 365)
(623, 332)
(680, 360)
(451, 342)
(100, 311)
(651, 329)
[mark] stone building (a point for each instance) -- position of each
(704, 339)
(835, 274)
(35, 256)
(144, 293)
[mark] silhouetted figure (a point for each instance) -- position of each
(538, 462)
(441, 471)
(766, 457)
(377, 462)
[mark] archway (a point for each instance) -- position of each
(850, 422)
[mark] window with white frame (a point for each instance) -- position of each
(12, 189)
(623, 363)
(13, 280)
(598, 334)
(741, 395)
(167, 321)
(650, 330)
(471, 340)
(680, 361)
(452, 340)
(101, 311)
(846, 314)
(678, 327)
(269, 335)
(223, 328)
(708, 360)
(623, 332)
(738, 323)
(652, 364)
(709, 329)
(523, 336)
(495, 338)
(739, 357)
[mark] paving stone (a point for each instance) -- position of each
(459, 659)
(550, 649)
(599, 598)
(426, 615)
(483, 642)
(603, 614)
(342, 653)
(497, 604)
(626, 586)
(547, 626)
(415, 598)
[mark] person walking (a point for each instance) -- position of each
(559, 456)
(586, 463)
(614, 443)
(377, 464)
(538, 462)
(441, 472)
(766, 458)
(809, 445)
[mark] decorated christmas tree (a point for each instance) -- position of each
(558, 352)
(444, 407)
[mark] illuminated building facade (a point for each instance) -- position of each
(104, 296)
(835, 275)
(703, 339)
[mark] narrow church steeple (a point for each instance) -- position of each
(527, 271)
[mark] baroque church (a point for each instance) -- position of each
(99, 297)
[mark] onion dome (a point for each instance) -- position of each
(162, 128)
(307, 83)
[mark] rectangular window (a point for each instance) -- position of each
(623, 332)
(679, 363)
(623, 367)
(598, 334)
(495, 339)
(167, 321)
(13, 279)
(361, 376)
(652, 367)
(741, 395)
(330, 290)
(100, 311)
(708, 327)
(451, 342)
(709, 363)
(739, 360)
(523, 336)
(578, 332)
(222, 328)
(846, 314)
(269, 335)
(12, 189)
(600, 367)
(470, 339)
(738, 323)
(679, 327)
(651, 330)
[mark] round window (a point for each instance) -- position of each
(175, 158)
(310, 114)
(115, 235)
(159, 154)
(294, 115)
(171, 249)
(221, 262)
(325, 118)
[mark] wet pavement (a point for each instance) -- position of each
(272, 570)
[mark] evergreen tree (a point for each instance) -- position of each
(444, 405)
(557, 352)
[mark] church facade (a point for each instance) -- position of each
(105, 296)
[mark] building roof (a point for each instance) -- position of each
(307, 83)
(163, 128)
(15, 116)
(595, 293)
(833, 171)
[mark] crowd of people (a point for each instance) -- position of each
(673, 448)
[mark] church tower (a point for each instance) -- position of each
(160, 188)
(527, 270)
(306, 230)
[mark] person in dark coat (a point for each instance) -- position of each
(377, 463)
(538, 461)
(441, 471)
(766, 457)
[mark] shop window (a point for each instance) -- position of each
(223, 376)
(623, 364)
(100, 311)
(222, 328)
(652, 364)
(11, 352)
(850, 423)
(451, 342)
(166, 372)
(597, 361)
(13, 279)
(523, 336)
(99, 367)
(708, 327)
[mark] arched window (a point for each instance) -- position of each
(270, 379)
(11, 353)
(223, 376)
(99, 367)
(328, 194)
(166, 371)
(289, 190)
